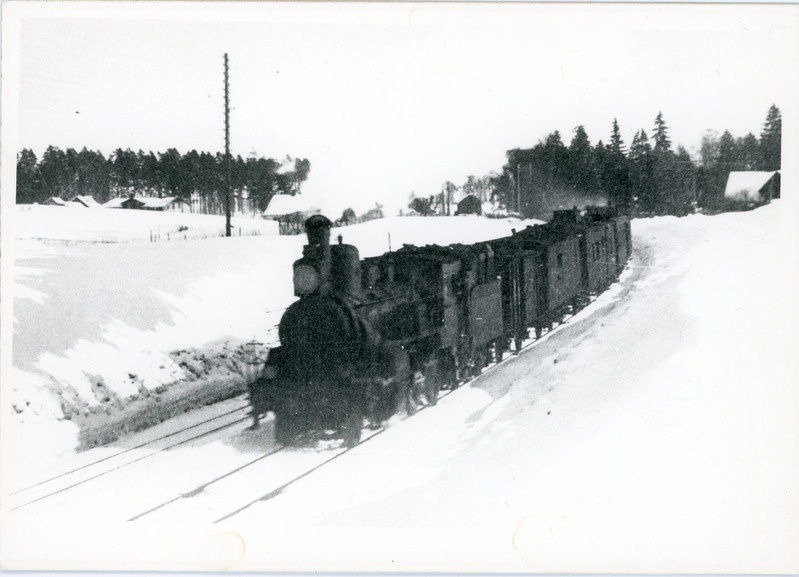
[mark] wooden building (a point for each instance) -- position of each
(290, 212)
(470, 204)
(752, 186)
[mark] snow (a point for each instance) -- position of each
(282, 204)
(655, 431)
(76, 223)
(746, 185)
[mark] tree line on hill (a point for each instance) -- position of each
(196, 177)
(649, 178)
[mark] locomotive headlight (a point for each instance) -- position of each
(306, 280)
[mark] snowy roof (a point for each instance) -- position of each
(746, 185)
(288, 204)
(86, 201)
(148, 202)
(159, 202)
(115, 202)
(56, 201)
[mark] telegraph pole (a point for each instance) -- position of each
(227, 153)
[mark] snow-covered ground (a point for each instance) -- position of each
(656, 431)
(98, 324)
(81, 224)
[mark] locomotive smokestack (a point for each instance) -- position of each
(318, 230)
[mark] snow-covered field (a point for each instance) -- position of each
(77, 223)
(656, 431)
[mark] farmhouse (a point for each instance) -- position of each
(469, 205)
(753, 187)
(290, 212)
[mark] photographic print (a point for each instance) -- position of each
(399, 287)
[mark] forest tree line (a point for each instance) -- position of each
(651, 177)
(194, 176)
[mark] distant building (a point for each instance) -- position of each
(115, 202)
(753, 187)
(87, 201)
(290, 212)
(166, 204)
(469, 205)
(55, 201)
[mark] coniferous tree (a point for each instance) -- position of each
(617, 172)
(728, 152)
(683, 197)
(92, 175)
(771, 140)
(641, 173)
(748, 151)
(54, 173)
(124, 171)
(616, 144)
(198, 178)
(581, 170)
(28, 180)
(660, 135)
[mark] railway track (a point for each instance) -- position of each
(98, 467)
(271, 474)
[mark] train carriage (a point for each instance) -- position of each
(554, 271)
(373, 337)
(622, 240)
(598, 246)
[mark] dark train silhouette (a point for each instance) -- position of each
(371, 338)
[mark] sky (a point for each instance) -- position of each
(392, 99)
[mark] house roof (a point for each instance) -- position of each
(146, 201)
(56, 200)
(115, 202)
(746, 185)
(282, 204)
(150, 202)
(470, 198)
(86, 201)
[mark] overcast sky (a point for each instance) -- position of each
(388, 99)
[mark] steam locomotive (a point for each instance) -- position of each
(371, 338)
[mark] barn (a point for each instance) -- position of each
(290, 211)
(84, 200)
(166, 204)
(752, 186)
(470, 204)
